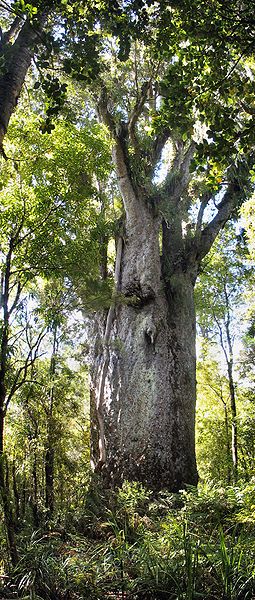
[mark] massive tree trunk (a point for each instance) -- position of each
(149, 400)
(143, 380)
(147, 406)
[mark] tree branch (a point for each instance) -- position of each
(29, 361)
(104, 112)
(179, 177)
(20, 240)
(15, 26)
(158, 146)
(249, 109)
(225, 208)
(203, 204)
(137, 111)
(17, 297)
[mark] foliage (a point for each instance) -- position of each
(53, 195)
(199, 548)
(222, 281)
(213, 431)
(221, 296)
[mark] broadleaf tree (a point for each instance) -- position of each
(220, 303)
(213, 423)
(47, 214)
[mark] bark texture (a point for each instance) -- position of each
(149, 411)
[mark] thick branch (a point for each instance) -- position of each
(141, 99)
(158, 146)
(203, 204)
(104, 113)
(249, 109)
(139, 106)
(179, 177)
(225, 208)
(121, 162)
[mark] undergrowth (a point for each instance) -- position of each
(128, 545)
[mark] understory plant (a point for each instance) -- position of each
(195, 544)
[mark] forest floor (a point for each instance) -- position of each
(129, 545)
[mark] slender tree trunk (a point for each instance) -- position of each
(4, 488)
(61, 494)
(23, 503)
(229, 361)
(49, 476)
(244, 462)
(149, 386)
(228, 352)
(35, 490)
(50, 451)
(233, 420)
(228, 451)
(15, 493)
(8, 514)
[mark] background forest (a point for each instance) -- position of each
(127, 129)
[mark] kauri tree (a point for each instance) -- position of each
(163, 99)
